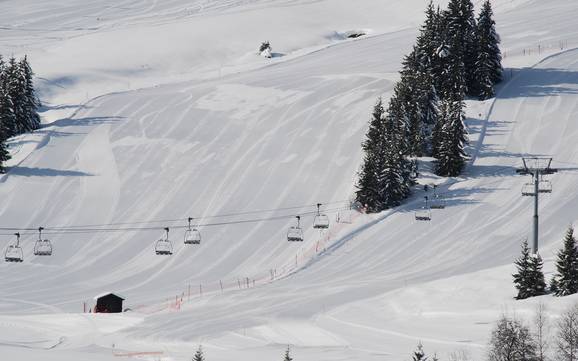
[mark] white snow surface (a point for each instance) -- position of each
(157, 111)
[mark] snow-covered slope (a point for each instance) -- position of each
(264, 140)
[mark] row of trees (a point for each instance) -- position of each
(513, 340)
(529, 278)
(18, 102)
(454, 56)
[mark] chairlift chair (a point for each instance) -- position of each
(164, 247)
(528, 190)
(545, 186)
(321, 220)
(344, 216)
(42, 247)
(14, 251)
(423, 214)
(192, 234)
(438, 201)
(295, 233)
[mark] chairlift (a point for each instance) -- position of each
(545, 186)
(14, 251)
(321, 220)
(164, 247)
(192, 234)
(438, 201)
(42, 247)
(528, 190)
(344, 216)
(295, 233)
(423, 214)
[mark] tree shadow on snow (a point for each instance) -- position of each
(538, 82)
(45, 172)
(88, 121)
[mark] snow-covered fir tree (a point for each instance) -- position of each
(529, 278)
(566, 277)
(460, 37)
(368, 193)
(523, 276)
(395, 173)
(199, 355)
(31, 120)
(16, 84)
(419, 354)
(452, 135)
(537, 282)
(488, 67)
(7, 119)
(287, 356)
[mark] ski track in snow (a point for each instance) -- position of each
(286, 134)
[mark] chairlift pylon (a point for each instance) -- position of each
(14, 251)
(423, 214)
(42, 247)
(321, 221)
(164, 247)
(295, 233)
(192, 234)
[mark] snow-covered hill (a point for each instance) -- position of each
(159, 111)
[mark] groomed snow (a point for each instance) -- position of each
(180, 117)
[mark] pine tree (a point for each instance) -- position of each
(452, 139)
(419, 354)
(537, 281)
(31, 120)
(460, 39)
(529, 278)
(368, 186)
(488, 67)
(199, 355)
(566, 277)
(7, 119)
(523, 276)
(396, 170)
(288, 355)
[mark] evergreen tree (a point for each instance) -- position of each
(460, 37)
(396, 170)
(537, 281)
(199, 355)
(452, 139)
(31, 120)
(522, 278)
(419, 354)
(566, 277)
(7, 119)
(488, 67)
(368, 186)
(529, 278)
(288, 355)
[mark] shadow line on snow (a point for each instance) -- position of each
(539, 82)
(45, 172)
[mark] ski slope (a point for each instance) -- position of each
(275, 137)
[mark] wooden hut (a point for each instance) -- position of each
(108, 303)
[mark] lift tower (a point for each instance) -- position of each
(536, 167)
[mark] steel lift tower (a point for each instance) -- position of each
(536, 167)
